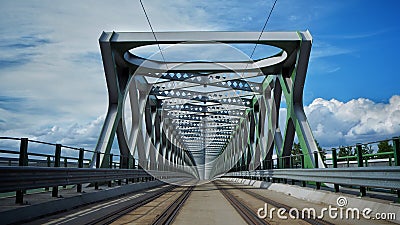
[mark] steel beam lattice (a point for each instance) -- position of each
(204, 118)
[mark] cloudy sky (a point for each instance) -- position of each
(52, 85)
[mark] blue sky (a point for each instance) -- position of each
(52, 84)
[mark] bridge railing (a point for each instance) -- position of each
(74, 157)
(26, 170)
(387, 177)
(349, 170)
(63, 156)
(333, 160)
(20, 179)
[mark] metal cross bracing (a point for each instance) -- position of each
(204, 118)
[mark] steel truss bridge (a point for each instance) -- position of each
(182, 123)
(205, 118)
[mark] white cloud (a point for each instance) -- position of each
(359, 120)
(322, 50)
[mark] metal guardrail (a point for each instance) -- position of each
(24, 156)
(380, 177)
(14, 178)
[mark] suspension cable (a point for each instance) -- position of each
(152, 31)
(262, 31)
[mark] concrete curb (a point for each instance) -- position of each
(62, 204)
(324, 197)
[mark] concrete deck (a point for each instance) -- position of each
(206, 205)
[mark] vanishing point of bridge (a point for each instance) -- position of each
(200, 143)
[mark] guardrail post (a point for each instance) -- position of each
(120, 167)
(334, 165)
(80, 165)
(23, 152)
(133, 163)
(48, 165)
(57, 158)
(291, 162)
(292, 166)
(23, 161)
(316, 166)
(111, 165)
(396, 151)
(303, 183)
(65, 165)
(96, 184)
(128, 167)
(278, 162)
(360, 164)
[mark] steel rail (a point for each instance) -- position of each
(168, 216)
(137, 202)
(249, 216)
(307, 218)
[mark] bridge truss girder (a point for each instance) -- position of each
(205, 134)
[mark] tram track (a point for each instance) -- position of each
(112, 216)
(248, 215)
(306, 217)
(168, 216)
